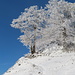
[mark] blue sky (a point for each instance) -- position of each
(10, 48)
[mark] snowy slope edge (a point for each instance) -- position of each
(57, 63)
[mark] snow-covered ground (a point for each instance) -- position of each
(57, 63)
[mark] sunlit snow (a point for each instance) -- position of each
(57, 63)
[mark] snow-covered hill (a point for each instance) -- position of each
(57, 63)
(47, 32)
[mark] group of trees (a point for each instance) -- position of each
(54, 23)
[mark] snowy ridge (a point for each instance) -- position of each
(57, 63)
(49, 33)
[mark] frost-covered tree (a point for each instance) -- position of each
(60, 15)
(53, 24)
(30, 22)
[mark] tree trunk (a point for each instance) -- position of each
(64, 38)
(33, 51)
(33, 48)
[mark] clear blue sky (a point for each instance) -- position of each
(10, 48)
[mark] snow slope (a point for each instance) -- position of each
(57, 63)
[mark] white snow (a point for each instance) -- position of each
(57, 63)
